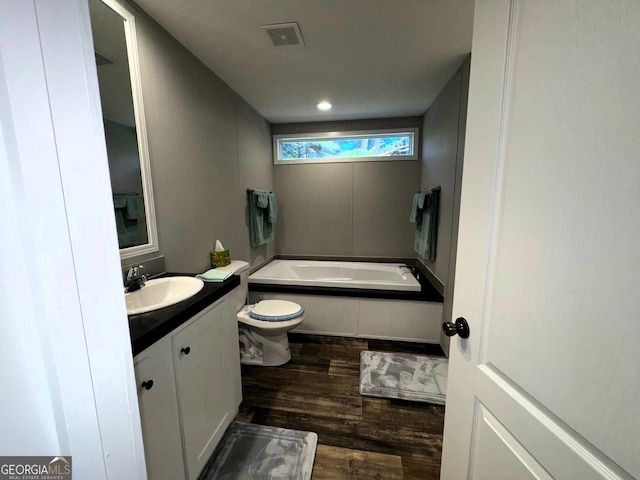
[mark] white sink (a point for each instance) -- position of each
(162, 292)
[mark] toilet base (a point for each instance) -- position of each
(258, 348)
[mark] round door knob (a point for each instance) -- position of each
(461, 327)
(186, 350)
(147, 385)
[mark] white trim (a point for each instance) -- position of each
(141, 131)
(412, 131)
(519, 454)
(490, 32)
(61, 192)
(529, 421)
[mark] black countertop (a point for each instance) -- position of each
(147, 328)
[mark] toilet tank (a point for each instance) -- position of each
(238, 294)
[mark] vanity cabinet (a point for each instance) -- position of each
(201, 352)
(197, 371)
(159, 412)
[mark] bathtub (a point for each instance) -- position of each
(352, 299)
(362, 275)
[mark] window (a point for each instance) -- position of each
(361, 146)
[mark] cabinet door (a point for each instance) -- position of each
(232, 352)
(201, 377)
(159, 412)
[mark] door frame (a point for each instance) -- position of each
(58, 172)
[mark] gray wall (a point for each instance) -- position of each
(346, 209)
(444, 126)
(256, 169)
(206, 147)
(439, 158)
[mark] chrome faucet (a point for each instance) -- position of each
(134, 280)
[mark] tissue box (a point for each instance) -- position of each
(220, 259)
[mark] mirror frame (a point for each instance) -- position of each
(131, 40)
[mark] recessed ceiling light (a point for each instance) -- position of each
(324, 105)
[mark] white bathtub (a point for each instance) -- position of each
(365, 275)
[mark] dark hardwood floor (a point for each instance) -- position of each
(358, 437)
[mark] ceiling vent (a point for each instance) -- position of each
(284, 34)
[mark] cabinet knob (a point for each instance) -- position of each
(147, 385)
(186, 350)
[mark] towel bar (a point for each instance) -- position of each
(251, 190)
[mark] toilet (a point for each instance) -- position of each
(262, 327)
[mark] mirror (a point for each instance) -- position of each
(114, 40)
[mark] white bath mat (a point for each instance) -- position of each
(256, 452)
(407, 377)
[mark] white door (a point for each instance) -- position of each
(548, 269)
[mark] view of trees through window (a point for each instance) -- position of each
(375, 145)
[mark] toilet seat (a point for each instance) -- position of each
(276, 311)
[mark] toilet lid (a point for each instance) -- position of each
(276, 311)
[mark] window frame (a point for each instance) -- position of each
(277, 139)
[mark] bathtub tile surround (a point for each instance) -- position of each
(359, 437)
(407, 377)
(262, 452)
(367, 299)
(405, 320)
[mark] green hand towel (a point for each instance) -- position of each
(127, 229)
(260, 229)
(135, 207)
(132, 203)
(214, 275)
(262, 198)
(119, 201)
(273, 209)
(413, 217)
(427, 226)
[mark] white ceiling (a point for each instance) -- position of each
(369, 58)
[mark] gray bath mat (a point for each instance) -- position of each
(256, 452)
(407, 377)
